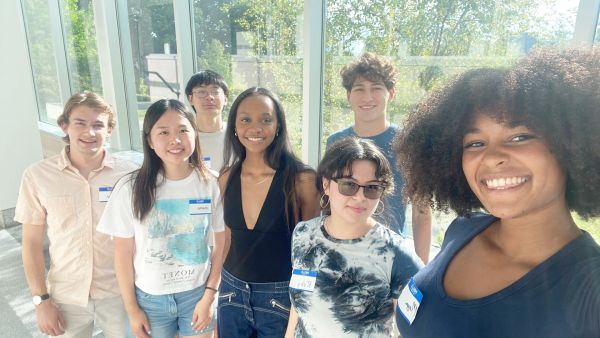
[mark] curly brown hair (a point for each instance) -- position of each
(554, 93)
(372, 67)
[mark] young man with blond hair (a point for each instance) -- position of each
(63, 196)
(369, 83)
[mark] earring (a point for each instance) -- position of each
(323, 203)
(235, 132)
(277, 134)
(380, 208)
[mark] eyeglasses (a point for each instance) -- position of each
(347, 187)
(204, 93)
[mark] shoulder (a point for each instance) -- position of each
(223, 178)
(125, 183)
(124, 165)
(403, 248)
(48, 168)
(306, 177)
(464, 228)
(340, 134)
(50, 162)
(584, 289)
(211, 175)
(308, 226)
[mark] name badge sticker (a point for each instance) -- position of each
(206, 160)
(303, 280)
(200, 207)
(409, 301)
(104, 193)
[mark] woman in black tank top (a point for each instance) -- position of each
(266, 191)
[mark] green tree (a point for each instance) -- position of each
(82, 52)
(215, 58)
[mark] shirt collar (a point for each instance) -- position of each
(64, 161)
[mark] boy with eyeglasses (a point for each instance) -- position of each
(369, 83)
(207, 93)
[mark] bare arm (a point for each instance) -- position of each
(421, 226)
(203, 311)
(124, 253)
(50, 320)
(309, 196)
(227, 234)
(292, 322)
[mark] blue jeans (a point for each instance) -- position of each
(252, 309)
(171, 313)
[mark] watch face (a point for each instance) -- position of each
(37, 300)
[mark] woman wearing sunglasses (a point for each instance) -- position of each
(347, 268)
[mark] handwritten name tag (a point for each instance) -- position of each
(303, 279)
(200, 207)
(409, 301)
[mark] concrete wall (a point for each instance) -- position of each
(20, 143)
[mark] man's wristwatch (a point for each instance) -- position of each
(38, 299)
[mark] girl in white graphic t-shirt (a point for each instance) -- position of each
(167, 223)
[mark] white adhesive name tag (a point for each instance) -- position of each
(206, 160)
(409, 301)
(303, 279)
(104, 193)
(200, 207)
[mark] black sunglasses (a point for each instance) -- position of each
(347, 187)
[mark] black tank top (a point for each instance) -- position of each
(261, 255)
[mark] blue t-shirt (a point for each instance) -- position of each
(558, 298)
(394, 210)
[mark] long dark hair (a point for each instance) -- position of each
(145, 179)
(278, 154)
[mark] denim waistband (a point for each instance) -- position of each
(256, 287)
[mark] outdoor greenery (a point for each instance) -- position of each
(260, 42)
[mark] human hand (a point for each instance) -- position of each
(140, 327)
(203, 312)
(49, 318)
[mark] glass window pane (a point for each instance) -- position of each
(597, 35)
(255, 43)
(82, 51)
(154, 50)
(431, 41)
(43, 62)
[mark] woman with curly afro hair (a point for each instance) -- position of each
(513, 152)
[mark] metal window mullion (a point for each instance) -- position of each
(128, 73)
(59, 41)
(184, 37)
(111, 68)
(586, 23)
(312, 86)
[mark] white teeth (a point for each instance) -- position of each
(505, 182)
(175, 151)
(255, 139)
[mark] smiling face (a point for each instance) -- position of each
(369, 100)
(511, 169)
(172, 139)
(87, 130)
(208, 100)
(354, 209)
(256, 123)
